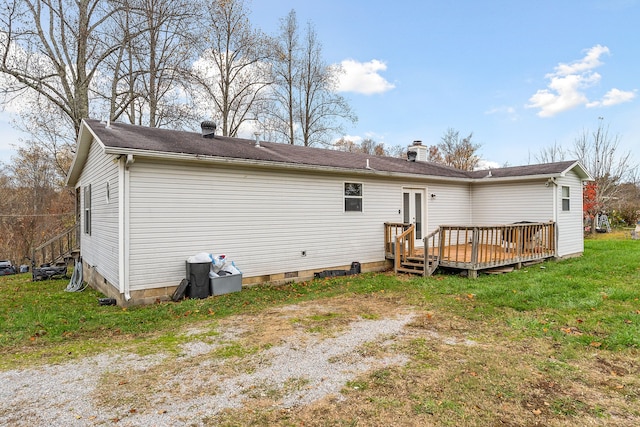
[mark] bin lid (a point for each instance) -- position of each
(178, 294)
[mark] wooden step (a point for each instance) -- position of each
(410, 271)
(413, 264)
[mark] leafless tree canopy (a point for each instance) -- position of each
(320, 108)
(616, 183)
(305, 108)
(233, 73)
(280, 116)
(52, 50)
(158, 63)
(150, 67)
(455, 152)
(367, 146)
(599, 152)
(33, 206)
(162, 63)
(551, 154)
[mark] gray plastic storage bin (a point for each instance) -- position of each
(198, 277)
(226, 284)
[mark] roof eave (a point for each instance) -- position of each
(493, 179)
(580, 170)
(577, 166)
(85, 136)
(263, 164)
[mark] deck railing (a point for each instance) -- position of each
(402, 245)
(479, 247)
(473, 248)
(391, 230)
(431, 252)
(58, 248)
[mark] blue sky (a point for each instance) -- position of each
(520, 75)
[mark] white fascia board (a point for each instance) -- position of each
(85, 136)
(492, 180)
(582, 171)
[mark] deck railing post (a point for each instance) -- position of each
(396, 258)
(425, 245)
(474, 246)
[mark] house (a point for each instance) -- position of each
(150, 198)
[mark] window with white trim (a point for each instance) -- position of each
(566, 198)
(87, 209)
(352, 197)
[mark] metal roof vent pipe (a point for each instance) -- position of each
(411, 155)
(257, 135)
(208, 129)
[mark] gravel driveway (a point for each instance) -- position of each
(303, 365)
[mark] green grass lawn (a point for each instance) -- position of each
(555, 344)
(593, 301)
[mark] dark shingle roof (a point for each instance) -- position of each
(132, 137)
(527, 170)
(120, 137)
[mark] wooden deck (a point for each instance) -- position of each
(470, 248)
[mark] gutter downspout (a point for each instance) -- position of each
(123, 224)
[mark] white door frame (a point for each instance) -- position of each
(414, 210)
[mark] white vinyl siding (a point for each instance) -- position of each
(100, 247)
(450, 206)
(263, 220)
(506, 203)
(569, 223)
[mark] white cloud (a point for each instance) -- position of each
(568, 83)
(363, 77)
(353, 138)
(613, 97)
(589, 62)
(510, 112)
(487, 164)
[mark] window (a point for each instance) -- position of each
(352, 197)
(87, 209)
(566, 198)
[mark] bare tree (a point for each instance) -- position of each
(44, 122)
(54, 48)
(456, 152)
(234, 70)
(367, 146)
(599, 152)
(346, 145)
(33, 208)
(551, 154)
(162, 50)
(320, 108)
(286, 72)
(435, 155)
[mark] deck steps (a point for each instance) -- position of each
(60, 249)
(415, 265)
